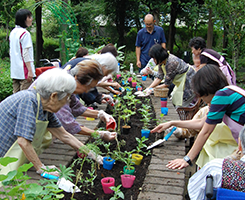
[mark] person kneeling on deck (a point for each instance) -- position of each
(26, 116)
(227, 173)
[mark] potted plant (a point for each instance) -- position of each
(129, 162)
(127, 180)
(117, 193)
(126, 113)
(145, 132)
(108, 162)
(107, 182)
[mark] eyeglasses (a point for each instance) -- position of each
(151, 24)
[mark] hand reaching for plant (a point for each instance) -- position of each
(107, 136)
(146, 92)
(44, 168)
(91, 155)
(104, 116)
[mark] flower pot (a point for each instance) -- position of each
(124, 82)
(126, 129)
(163, 103)
(164, 111)
(143, 78)
(107, 182)
(118, 76)
(127, 180)
(134, 84)
(137, 158)
(128, 171)
(90, 118)
(108, 163)
(130, 79)
(145, 132)
(138, 88)
(111, 125)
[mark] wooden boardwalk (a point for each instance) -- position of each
(160, 182)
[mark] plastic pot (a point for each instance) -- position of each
(137, 158)
(138, 88)
(130, 79)
(111, 125)
(127, 180)
(164, 110)
(128, 171)
(107, 182)
(108, 163)
(134, 84)
(118, 76)
(143, 78)
(145, 132)
(126, 129)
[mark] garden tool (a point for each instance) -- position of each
(160, 141)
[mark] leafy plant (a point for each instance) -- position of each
(142, 145)
(117, 193)
(128, 160)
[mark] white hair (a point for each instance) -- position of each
(107, 60)
(242, 139)
(55, 80)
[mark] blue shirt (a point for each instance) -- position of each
(145, 40)
(18, 118)
(74, 62)
(229, 102)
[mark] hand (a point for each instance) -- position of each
(138, 64)
(149, 70)
(177, 164)
(108, 98)
(116, 85)
(29, 76)
(177, 133)
(44, 168)
(161, 127)
(107, 135)
(97, 158)
(146, 92)
(104, 116)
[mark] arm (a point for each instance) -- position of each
(138, 52)
(190, 124)
(27, 60)
(30, 74)
(196, 148)
(163, 45)
(106, 84)
(156, 82)
(29, 152)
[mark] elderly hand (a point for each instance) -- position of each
(94, 156)
(116, 85)
(104, 116)
(44, 168)
(107, 135)
(108, 98)
(146, 92)
(177, 164)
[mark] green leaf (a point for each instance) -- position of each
(6, 160)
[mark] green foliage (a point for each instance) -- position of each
(130, 57)
(117, 193)
(142, 145)
(6, 82)
(4, 48)
(49, 46)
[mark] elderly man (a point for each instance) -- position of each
(226, 173)
(146, 38)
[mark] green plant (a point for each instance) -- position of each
(141, 145)
(15, 186)
(128, 160)
(117, 193)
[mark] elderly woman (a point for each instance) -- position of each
(176, 71)
(226, 104)
(86, 77)
(27, 114)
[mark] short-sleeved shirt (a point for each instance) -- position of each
(73, 62)
(176, 66)
(18, 118)
(145, 41)
(229, 102)
(20, 39)
(68, 113)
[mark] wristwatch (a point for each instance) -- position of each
(188, 160)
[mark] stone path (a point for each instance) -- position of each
(160, 182)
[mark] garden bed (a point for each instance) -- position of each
(130, 143)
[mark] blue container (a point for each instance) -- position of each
(124, 82)
(164, 110)
(143, 78)
(145, 133)
(164, 99)
(108, 163)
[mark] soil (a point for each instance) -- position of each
(117, 170)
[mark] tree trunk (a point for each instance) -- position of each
(120, 21)
(225, 40)
(39, 38)
(156, 15)
(210, 29)
(172, 29)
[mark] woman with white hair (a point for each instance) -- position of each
(25, 116)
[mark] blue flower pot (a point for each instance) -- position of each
(164, 110)
(108, 163)
(143, 78)
(145, 133)
(124, 82)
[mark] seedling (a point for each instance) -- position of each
(117, 193)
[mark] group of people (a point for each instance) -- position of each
(217, 125)
(28, 120)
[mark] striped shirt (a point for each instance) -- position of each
(18, 118)
(229, 102)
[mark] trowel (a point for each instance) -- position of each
(160, 141)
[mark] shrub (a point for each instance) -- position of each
(130, 57)
(4, 48)
(6, 88)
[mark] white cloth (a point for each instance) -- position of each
(20, 39)
(197, 183)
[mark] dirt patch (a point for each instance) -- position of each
(117, 170)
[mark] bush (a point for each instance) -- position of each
(4, 48)
(49, 46)
(130, 57)
(6, 87)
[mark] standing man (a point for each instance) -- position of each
(146, 38)
(21, 52)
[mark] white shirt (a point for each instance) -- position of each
(20, 39)
(197, 183)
